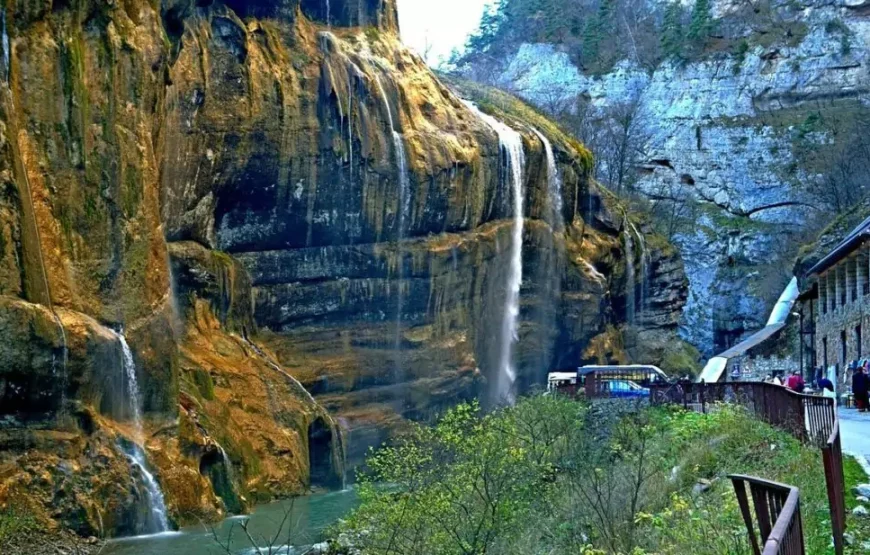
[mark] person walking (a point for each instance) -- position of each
(860, 389)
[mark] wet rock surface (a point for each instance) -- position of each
(218, 181)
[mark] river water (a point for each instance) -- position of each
(308, 519)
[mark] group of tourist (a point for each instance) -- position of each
(795, 381)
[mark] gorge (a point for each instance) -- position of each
(243, 241)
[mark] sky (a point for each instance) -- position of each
(445, 24)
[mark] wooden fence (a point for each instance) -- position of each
(777, 519)
(811, 419)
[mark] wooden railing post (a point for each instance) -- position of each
(832, 456)
(777, 509)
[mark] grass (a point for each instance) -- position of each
(14, 523)
(858, 528)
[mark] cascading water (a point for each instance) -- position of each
(629, 277)
(6, 45)
(403, 209)
(644, 267)
(158, 520)
(511, 146)
(350, 123)
(328, 20)
(554, 185)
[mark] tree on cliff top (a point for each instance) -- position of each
(701, 24)
(672, 31)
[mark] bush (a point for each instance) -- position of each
(551, 474)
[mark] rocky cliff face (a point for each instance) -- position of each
(269, 200)
(721, 132)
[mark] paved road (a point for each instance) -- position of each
(855, 435)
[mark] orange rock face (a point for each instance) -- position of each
(219, 181)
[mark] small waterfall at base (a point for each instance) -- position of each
(511, 146)
(403, 213)
(158, 521)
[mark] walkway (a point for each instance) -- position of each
(855, 435)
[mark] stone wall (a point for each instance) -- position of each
(843, 310)
(755, 368)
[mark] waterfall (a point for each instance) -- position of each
(158, 521)
(511, 146)
(350, 124)
(328, 21)
(403, 213)
(554, 185)
(644, 267)
(6, 46)
(629, 276)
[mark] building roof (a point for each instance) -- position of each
(752, 341)
(778, 318)
(846, 246)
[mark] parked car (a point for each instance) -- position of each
(625, 389)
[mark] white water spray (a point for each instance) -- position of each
(554, 184)
(511, 145)
(158, 521)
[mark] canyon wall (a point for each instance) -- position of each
(720, 135)
(302, 233)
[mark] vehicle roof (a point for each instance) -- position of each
(584, 370)
(562, 375)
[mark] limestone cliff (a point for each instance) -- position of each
(268, 201)
(720, 134)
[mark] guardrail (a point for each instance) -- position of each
(777, 516)
(811, 419)
(832, 456)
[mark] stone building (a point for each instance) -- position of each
(837, 307)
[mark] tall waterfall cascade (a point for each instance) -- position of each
(158, 520)
(402, 217)
(511, 148)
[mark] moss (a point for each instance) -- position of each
(507, 107)
(204, 383)
(681, 359)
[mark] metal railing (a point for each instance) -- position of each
(832, 456)
(809, 418)
(777, 516)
